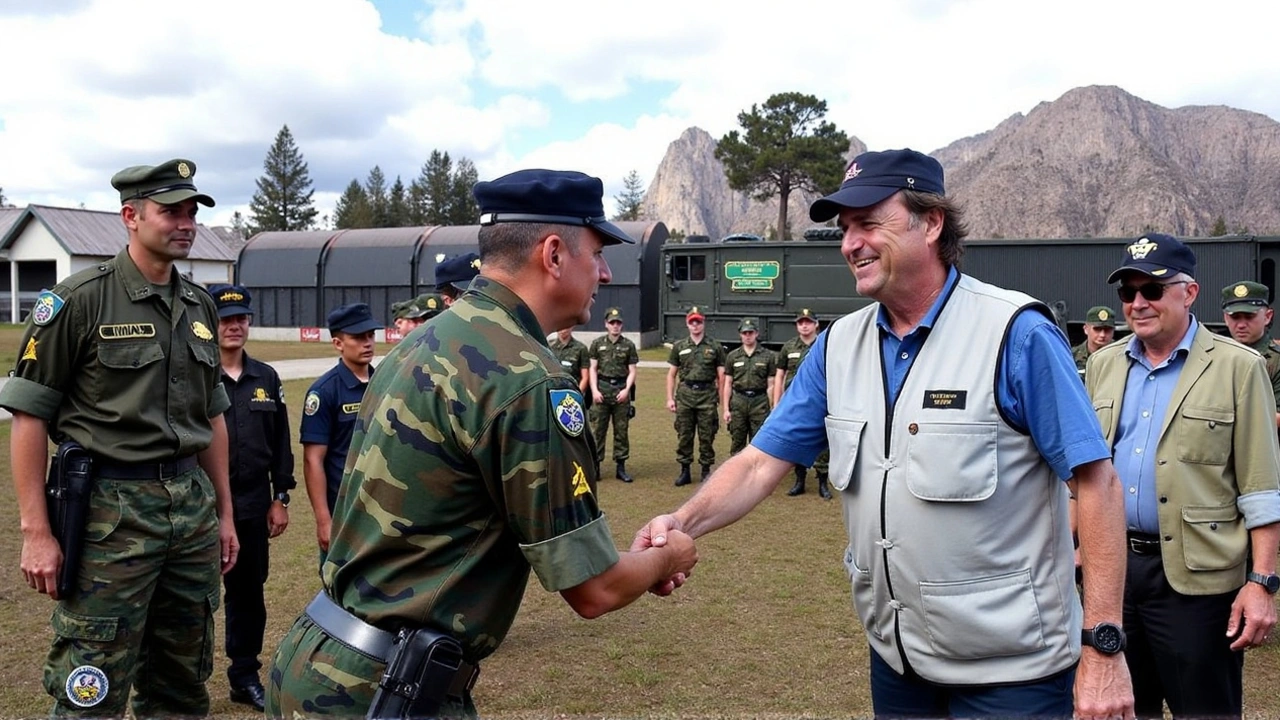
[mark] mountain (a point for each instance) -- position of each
(1096, 162)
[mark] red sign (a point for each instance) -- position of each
(393, 335)
(310, 334)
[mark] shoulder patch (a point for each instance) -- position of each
(566, 407)
(580, 484)
(86, 686)
(46, 309)
(30, 352)
(312, 404)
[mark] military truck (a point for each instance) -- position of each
(773, 281)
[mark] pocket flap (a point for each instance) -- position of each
(1104, 404)
(205, 354)
(1222, 513)
(1221, 415)
(81, 627)
(843, 437)
(126, 356)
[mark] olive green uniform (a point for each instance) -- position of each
(573, 358)
(471, 465)
(697, 397)
(614, 361)
(793, 352)
(749, 375)
(130, 371)
(1267, 348)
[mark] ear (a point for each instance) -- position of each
(933, 220)
(129, 216)
(1193, 291)
(554, 251)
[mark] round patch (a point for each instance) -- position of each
(184, 170)
(566, 407)
(1103, 315)
(1241, 291)
(312, 403)
(201, 331)
(86, 686)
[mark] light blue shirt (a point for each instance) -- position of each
(1039, 391)
(1147, 391)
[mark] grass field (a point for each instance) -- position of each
(764, 628)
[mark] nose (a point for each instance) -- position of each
(851, 242)
(606, 275)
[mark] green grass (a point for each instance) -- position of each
(763, 628)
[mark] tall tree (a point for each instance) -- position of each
(239, 226)
(787, 146)
(352, 209)
(375, 188)
(631, 197)
(435, 182)
(463, 209)
(283, 200)
(397, 205)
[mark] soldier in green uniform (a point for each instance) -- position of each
(693, 387)
(573, 357)
(122, 359)
(1247, 312)
(748, 388)
(789, 358)
(613, 378)
(1099, 330)
(472, 465)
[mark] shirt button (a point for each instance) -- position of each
(904, 356)
(1146, 414)
(173, 380)
(1137, 451)
(1133, 490)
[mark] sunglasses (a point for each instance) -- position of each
(1151, 291)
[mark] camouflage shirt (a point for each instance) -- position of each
(1081, 354)
(471, 466)
(697, 362)
(793, 353)
(613, 359)
(750, 372)
(1267, 348)
(572, 355)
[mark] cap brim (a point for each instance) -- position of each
(173, 197)
(227, 311)
(611, 234)
(1151, 269)
(461, 285)
(859, 196)
(687, 318)
(1243, 307)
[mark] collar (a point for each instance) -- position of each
(349, 378)
(504, 297)
(931, 317)
(1134, 348)
(139, 288)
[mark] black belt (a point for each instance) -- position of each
(144, 471)
(749, 393)
(614, 381)
(1144, 544)
(698, 384)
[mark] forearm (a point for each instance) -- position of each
(671, 385)
(1101, 529)
(215, 463)
(738, 486)
(28, 448)
(313, 477)
(631, 377)
(1265, 543)
(621, 584)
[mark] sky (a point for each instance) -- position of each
(88, 87)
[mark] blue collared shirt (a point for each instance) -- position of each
(329, 418)
(1039, 390)
(1147, 391)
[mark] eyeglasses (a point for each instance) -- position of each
(1151, 291)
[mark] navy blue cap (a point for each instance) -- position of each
(1157, 255)
(458, 271)
(559, 197)
(353, 319)
(231, 300)
(874, 176)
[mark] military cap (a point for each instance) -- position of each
(747, 325)
(1157, 255)
(558, 197)
(231, 300)
(1244, 297)
(1100, 316)
(168, 183)
(406, 310)
(874, 176)
(694, 312)
(457, 271)
(613, 313)
(430, 303)
(805, 314)
(353, 319)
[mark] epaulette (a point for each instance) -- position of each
(89, 274)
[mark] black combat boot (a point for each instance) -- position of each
(706, 473)
(622, 471)
(683, 478)
(798, 488)
(824, 492)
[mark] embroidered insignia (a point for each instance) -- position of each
(184, 170)
(475, 263)
(853, 172)
(86, 686)
(199, 330)
(439, 258)
(566, 407)
(580, 485)
(431, 303)
(1240, 291)
(126, 331)
(260, 395)
(30, 352)
(312, 404)
(351, 408)
(1103, 315)
(231, 296)
(46, 308)
(1141, 248)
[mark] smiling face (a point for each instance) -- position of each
(887, 249)
(1159, 323)
(162, 233)
(233, 331)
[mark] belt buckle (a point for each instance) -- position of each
(1144, 547)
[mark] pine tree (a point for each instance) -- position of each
(375, 188)
(398, 205)
(352, 209)
(239, 226)
(463, 209)
(630, 199)
(437, 180)
(283, 200)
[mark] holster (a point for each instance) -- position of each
(424, 670)
(67, 499)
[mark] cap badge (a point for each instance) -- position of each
(184, 170)
(1240, 291)
(1103, 315)
(476, 263)
(199, 330)
(439, 258)
(231, 297)
(853, 171)
(911, 181)
(1141, 248)
(431, 303)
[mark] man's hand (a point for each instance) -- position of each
(656, 534)
(322, 532)
(1103, 687)
(277, 519)
(597, 398)
(41, 562)
(728, 416)
(1255, 609)
(671, 405)
(230, 544)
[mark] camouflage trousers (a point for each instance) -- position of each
(618, 413)
(696, 410)
(747, 414)
(142, 613)
(313, 674)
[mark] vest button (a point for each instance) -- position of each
(1164, 500)
(913, 428)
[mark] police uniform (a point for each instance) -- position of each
(1251, 297)
(749, 376)
(474, 466)
(1098, 316)
(614, 361)
(793, 352)
(697, 398)
(129, 370)
(261, 470)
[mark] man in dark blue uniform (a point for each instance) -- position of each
(330, 409)
(261, 477)
(454, 274)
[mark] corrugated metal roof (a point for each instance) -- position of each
(380, 237)
(290, 239)
(9, 216)
(100, 234)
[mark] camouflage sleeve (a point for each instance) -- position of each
(673, 358)
(633, 356)
(48, 352)
(719, 355)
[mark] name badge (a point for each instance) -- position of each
(945, 399)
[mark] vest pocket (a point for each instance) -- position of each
(843, 436)
(864, 592)
(991, 617)
(1205, 435)
(1213, 538)
(951, 462)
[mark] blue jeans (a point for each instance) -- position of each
(902, 696)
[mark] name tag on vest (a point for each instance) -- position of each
(945, 399)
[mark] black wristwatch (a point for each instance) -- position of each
(1270, 582)
(1107, 638)
(283, 498)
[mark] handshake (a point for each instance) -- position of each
(665, 535)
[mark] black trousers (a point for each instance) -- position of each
(246, 610)
(1178, 649)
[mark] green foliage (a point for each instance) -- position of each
(375, 187)
(352, 209)
(283, 199)
(1219, 227)
(630, 199)
(398, 205)
(786, 145)
(463, 209)
(432, 190)
(239, 226)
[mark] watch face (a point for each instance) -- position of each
(1108, 639)
(1273, 584)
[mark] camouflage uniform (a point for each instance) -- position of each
(130, 371)
(1081, 355)
(749, 403)
(575, 361)
(472, 465)
(793, 353)
(613, 362)
(697, 398)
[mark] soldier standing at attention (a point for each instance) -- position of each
(1099, 330)
(748, 387)
(1248, 315)
(693, 382)
(261, 478)
(330, 409)
(573, 357)
(121, 358)
(613, 378)
(789, 358)
(473, 466)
